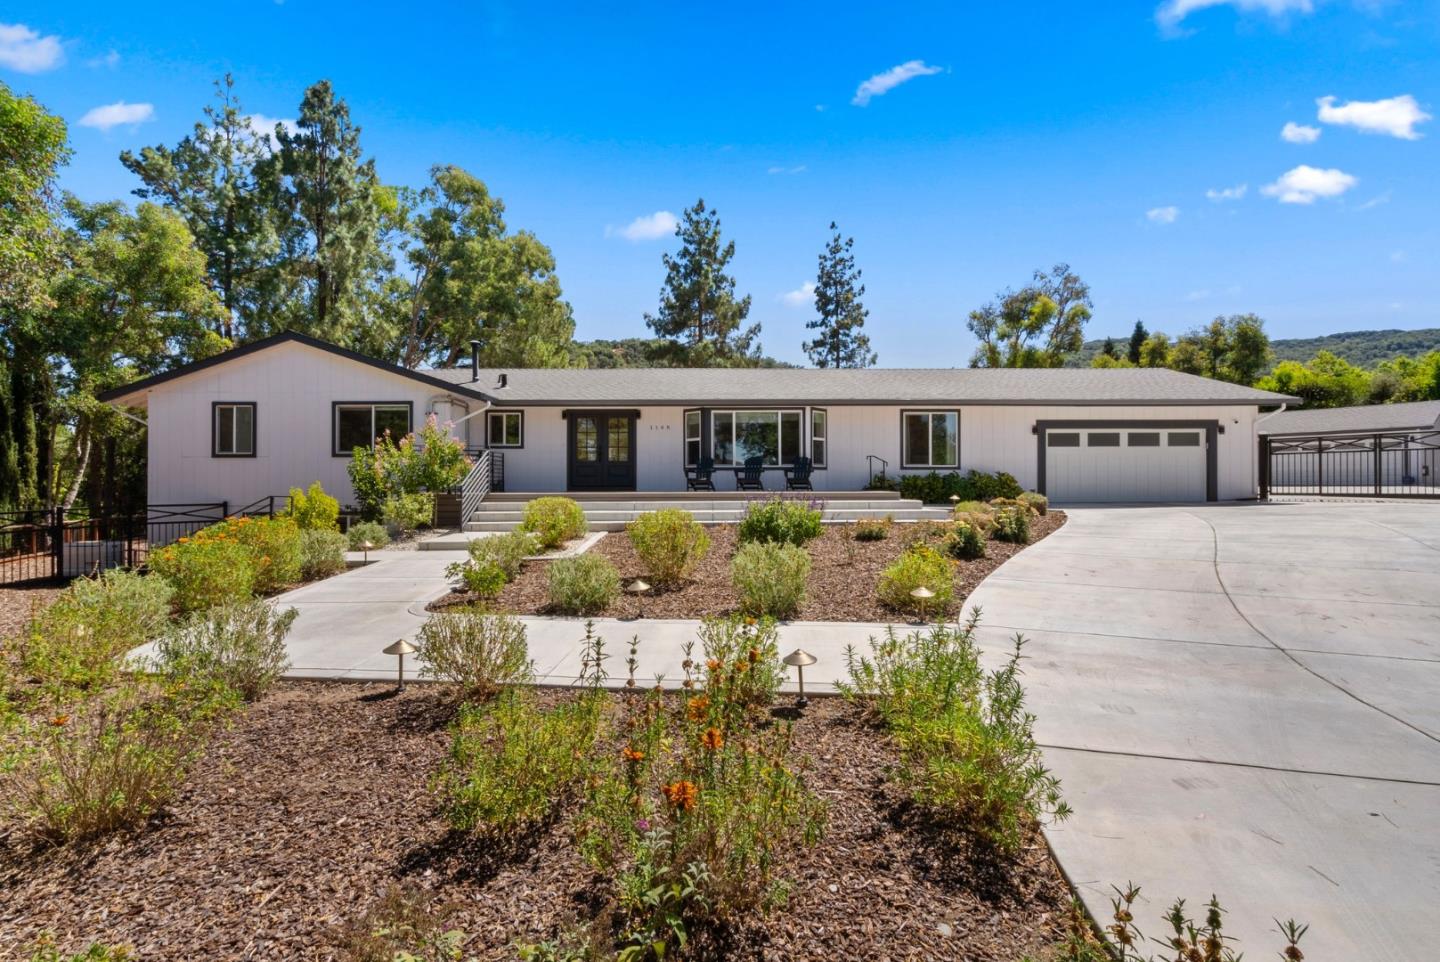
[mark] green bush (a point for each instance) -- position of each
(484, 578)
(977, 514)
(479, 652)
(583, 585)
(882, 482)
(1037, 502)
(314, 510)
(670, 543)
(205, 570)
(431, 462)
(81, 639)
(964, 541)
(438, 459)
(935, 488)
(274, 546)
(322, 553)
(240, 645)
(919, 566)
(554, 520)
(770, 578)
(404, 514)
(1013, 524)
(872, 529)
(513, 765)
(777, 520)
(363, 531)
(967, 744)
(506, 551)
(45, 950)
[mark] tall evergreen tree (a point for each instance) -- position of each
(209, 178)
(840, 342)
(699, 316)
(1108, 349)
(1137, 341)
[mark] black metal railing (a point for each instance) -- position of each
(475, 486)
(1378, 465)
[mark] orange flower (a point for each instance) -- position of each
(60, 720)
(695, 708)
(754, 655)
(713, 664)
(633, 754)
(680, 794)
(740, 667)
(712, 740)
(750, 621)
(184, 540)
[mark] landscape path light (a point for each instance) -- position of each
(798, 659)
(365, 546)
(401, 648)
(954, 500)
(638, 588)
(923, 595)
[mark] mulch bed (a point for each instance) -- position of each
(843, 575)
(314, 805)
(18, 605)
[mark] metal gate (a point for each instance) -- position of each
(1385, 465)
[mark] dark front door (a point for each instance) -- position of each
(602, 451)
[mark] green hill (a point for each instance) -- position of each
(1365, 348)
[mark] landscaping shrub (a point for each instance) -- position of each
(935, 488)
(978, 486)
(404, 514)
(554, 520)
(481, 653)
(314, 510)
(1012, 524)
(669, 542)
(770, 578)
(483, 578)
(513, 764)
(110, 762)
(367, 479)
(882, 482)
(363, 531)
(432, 461)
(780, 521)
(977, 514)
(81, 639)
(205, 570)
(274, 546)
(872, 529)
(964, 541)
(402, 927)
(967, 744)
(584, 585)
(240, 645)
(45, 950)
(506, 551)
(919, 566)
(1037, 502)
(437, 460)
(322, 553)
(743, 671)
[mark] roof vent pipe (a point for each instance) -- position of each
(504, 380)
(474, 360)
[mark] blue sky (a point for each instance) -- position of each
(1016, 137)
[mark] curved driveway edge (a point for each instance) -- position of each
(1243, 700)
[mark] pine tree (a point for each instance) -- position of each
(1137, 341)
(839, 342)
(1108, 349)
(699, 317)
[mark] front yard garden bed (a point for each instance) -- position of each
(315, 805)
(840, 587)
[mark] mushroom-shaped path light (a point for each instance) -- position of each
(922, 595)
(400, 648)
(638, 587)
(798, 659)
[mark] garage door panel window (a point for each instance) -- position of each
(1103, 439)
(931, 439)
(1143, 439)
(1184, 439)
(1063, 439)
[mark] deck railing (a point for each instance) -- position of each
(475, 486)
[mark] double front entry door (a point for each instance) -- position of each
(602, 451)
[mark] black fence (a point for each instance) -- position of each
(44, 545)
(1386, 465)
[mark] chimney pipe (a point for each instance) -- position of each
(504, 380)
(474, 360)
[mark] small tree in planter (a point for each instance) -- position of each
(431, 461)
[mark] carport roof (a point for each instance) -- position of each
(1355, 420)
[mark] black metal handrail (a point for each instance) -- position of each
(475, 486)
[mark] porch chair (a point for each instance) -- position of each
(750, 478)
(699, 477)
(797, 476)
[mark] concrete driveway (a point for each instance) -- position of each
(1244, 700)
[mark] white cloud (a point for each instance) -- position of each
(1375, 201)
(111, 59)
(883, 83)
(1396, 116)
(1219, 194)
(1171, 13)
(798, 169)
(1305, 183)
(25, 50)
(1163, 215)
(1299, 133)
(118, 114)
(800, 296)
(648, 227)
(263, 126)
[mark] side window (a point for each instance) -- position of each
(507, 429)
(819, 432)
(232, 430)
(692, 438)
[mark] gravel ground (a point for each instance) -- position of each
(843, 575)
(314, 805)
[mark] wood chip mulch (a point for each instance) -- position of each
(314, 805)
(19, 605)
(843, 575)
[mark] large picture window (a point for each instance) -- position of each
(507, 429)
(232, 430)
(772, 436)
(931, 439)
(359, 423)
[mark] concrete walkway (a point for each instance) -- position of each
(1244, 700)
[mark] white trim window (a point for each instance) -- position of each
(506, 429)
(819, 432)
(693, 443)
(773, 436)
(930, 439)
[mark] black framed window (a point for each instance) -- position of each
(507, 429)
(1103, 439)
(693, 442)
(771, 435)
(1062, 439)
(930, 439)
(232, 429)
(819, 432)
(356, 424)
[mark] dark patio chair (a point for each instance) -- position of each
(797, 476)
(750, 477)
(700, 477)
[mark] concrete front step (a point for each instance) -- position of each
(696, 506)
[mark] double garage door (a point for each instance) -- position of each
(1104, 464)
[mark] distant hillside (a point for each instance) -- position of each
(1365, 348)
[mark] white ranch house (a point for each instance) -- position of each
(287, 410)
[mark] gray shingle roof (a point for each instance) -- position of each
(870, 386)
(1367, 417)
